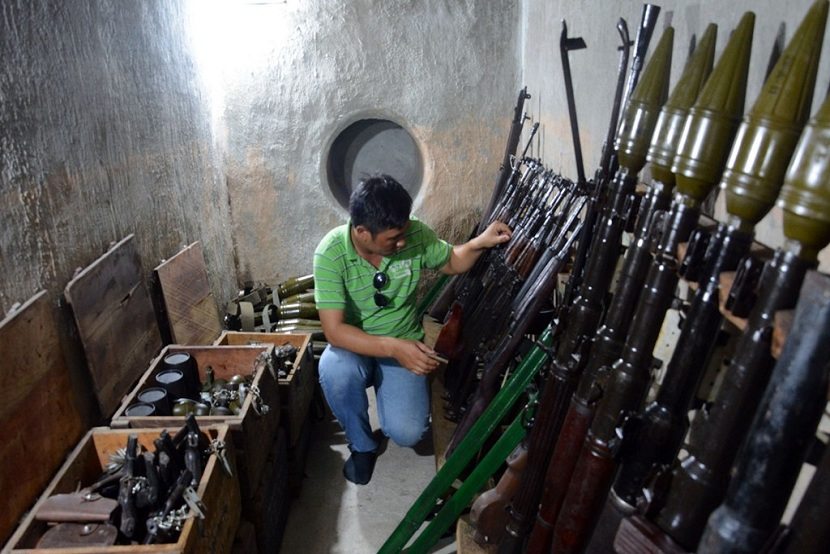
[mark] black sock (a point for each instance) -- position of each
(359, 467)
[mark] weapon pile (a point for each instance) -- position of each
(142, 498)
(600, 468)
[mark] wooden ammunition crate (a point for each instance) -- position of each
(218, 491)
(252, 430)
(297, 388)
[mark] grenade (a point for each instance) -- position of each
(669, 126)
(769, 133)
(643, 109)
(184, 406)
(295, 285)
(713, 120)
(805, 197)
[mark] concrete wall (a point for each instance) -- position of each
(104, 132)
(594, 69)
(294, 75)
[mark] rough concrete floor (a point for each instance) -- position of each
(333, 515)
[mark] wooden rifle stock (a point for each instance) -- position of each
(489, 511)
(561, 467)
(592, 476)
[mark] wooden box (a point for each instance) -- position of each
(297, 388)
(252, 430)
(218, 491)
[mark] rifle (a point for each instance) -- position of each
(507, 174)
(585, 314)
(489, 512)
(751, 187)
(605, 171)
(608, 345)
(624, 388)
(483, 318)
(775, 448)
(523, 311)
(505, 170)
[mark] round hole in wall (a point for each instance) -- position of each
(370, 146)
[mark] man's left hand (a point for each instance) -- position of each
(495, 233)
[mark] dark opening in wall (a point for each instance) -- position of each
(371, 146)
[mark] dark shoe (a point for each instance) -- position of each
(359, 467)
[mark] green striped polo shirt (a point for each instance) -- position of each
(343, 280)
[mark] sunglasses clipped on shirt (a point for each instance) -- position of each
(379, 281)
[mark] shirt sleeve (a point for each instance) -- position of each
(436, 251)
(329, 290)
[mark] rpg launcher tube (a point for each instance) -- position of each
(632, 142)
(665, 421)
(698, 484)
(609, 344)
(712, 119)
(784, 425)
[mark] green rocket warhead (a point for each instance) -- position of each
(805, 197)
(672, 117)
(769, 133)
(713, 120)
(643, 108)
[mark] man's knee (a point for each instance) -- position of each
(407, 434)
(341, 373)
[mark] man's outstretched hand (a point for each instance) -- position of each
(415, 356)
(495, 233)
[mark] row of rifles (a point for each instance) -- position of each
(600, 468)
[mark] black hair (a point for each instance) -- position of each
(379, 203)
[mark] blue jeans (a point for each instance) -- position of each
(402, 397)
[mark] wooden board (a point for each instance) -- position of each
(218, 491)
(442, 428)
(115, 321)
(39, 422)
(188, 302)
